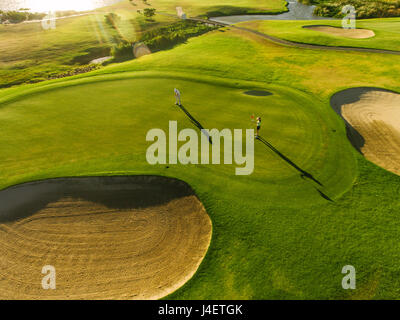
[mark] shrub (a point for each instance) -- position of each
(122, 51)
(149, 12)
(168, 36)
(20, 16)
(14, 16)
(364, 8)
(112, 19)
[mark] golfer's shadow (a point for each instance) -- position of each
(304, 174)
(196, 123)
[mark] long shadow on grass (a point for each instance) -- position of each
(196, 123)
(304, 174)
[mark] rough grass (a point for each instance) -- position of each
(30, 54)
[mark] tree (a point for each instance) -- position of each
(112, 19)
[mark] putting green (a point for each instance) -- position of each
(84, 123)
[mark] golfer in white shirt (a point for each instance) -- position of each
(177, 97)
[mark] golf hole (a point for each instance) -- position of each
(107, 237)
(258, 93)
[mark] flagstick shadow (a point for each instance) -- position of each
(304, 174)
(196, 123)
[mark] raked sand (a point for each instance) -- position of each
(108, 238)
(373, 120)
(347, 33)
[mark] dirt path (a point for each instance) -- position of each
(108, 238)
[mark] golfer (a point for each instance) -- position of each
(258, 126)
(177, 97)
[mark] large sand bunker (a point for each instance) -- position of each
(108, 238)
(372, 119)
(348, 33)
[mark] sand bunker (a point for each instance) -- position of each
(108, 238)
(348, 33)
(372, 118)
(140, 49)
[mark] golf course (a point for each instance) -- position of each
(77, 191)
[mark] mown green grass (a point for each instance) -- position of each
(387, 32)
(274, 236)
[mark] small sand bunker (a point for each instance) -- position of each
(348, 33)
(108, 238)
(258, 93)
(140, 49)
(372, 118)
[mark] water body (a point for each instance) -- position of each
(47, 5)
(297, 11)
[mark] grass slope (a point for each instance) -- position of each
(274, 235)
